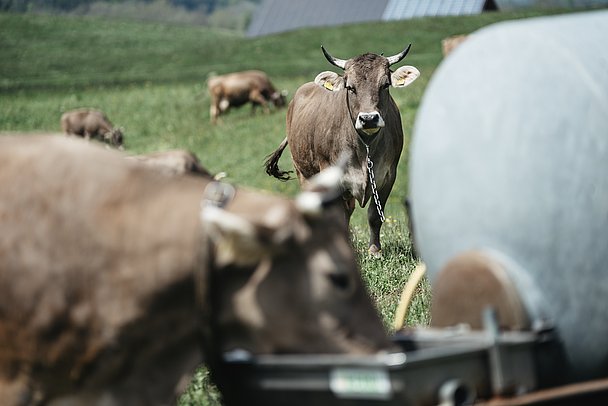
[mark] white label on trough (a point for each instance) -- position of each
(360, 383)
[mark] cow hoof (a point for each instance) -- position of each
(374, 251)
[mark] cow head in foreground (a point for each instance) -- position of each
(113, 274)
(353, 115)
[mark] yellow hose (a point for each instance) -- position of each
(407, 294)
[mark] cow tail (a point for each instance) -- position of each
(272, 163)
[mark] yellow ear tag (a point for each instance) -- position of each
(328, 85)
(400, 82)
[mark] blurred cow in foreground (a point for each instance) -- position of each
(239, 88)
(112, 278)
(90, 123)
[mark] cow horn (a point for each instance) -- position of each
(396, 58)
(340, 63)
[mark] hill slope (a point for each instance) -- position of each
(42, 51)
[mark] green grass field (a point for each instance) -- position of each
(150, 79)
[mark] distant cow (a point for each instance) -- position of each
(448, 44)
(112, 277)
(354, 115)
(90, 123)
(174, 162)
(239, 88)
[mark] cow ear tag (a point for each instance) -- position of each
(328, 85)
(404, 76)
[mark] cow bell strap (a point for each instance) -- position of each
(370, 165)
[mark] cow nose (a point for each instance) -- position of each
(369, 122)
(369, 119)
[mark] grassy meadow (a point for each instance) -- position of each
(150, 79)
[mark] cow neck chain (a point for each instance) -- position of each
(370, 164)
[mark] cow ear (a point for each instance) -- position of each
(330, 81)
(241, 241)
(404, 76)
(233, 236)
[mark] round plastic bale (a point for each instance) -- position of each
(510, 157)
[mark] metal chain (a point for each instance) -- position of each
(370, 165)
(372, 180)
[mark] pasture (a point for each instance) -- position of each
(150, 80)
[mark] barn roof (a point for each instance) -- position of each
(404, 9)
(282, 15)
(274, 16)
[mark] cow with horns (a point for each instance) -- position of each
(352, 115)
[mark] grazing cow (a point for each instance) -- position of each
(90, 123)
(239, 88)
(355, 115)
(112, 277)
(448, 44)
(175, 162)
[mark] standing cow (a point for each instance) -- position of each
(239, 88)
(111, 277)
(90, 123)
(353, 115)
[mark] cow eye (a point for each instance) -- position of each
(351, 89)
(385, 86)
(339, 280)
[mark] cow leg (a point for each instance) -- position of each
(213, 113)
(218, 106)
(349, 208)
(374, 221)
(257, 97)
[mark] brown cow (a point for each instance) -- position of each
(109, 274)
(448, 44)
(91, 123)
(355, 115)
(174, 162)
(239, 88)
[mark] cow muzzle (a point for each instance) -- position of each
(370, 123)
